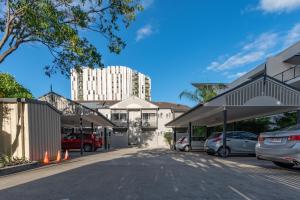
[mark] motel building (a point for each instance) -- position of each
(271, 88)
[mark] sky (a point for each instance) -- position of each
(178, 42)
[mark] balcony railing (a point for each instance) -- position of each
(289, 74)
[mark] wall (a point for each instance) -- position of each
(44, 131)
(28, 129)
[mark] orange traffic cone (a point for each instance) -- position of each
(66, 155)
(58, 157)
(46, 158)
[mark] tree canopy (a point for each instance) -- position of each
(10, 88)
(58, 24)
(199, 94)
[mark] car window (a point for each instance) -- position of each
(70, 137)
(248, 136)
(234, 135)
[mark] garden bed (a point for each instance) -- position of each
(18, 168)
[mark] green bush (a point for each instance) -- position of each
(168, 138)
(11, 161)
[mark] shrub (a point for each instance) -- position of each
(168, 138)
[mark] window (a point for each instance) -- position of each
(148, 116)
(249, 136)
(119, 116)
(234, 135)
(115, 117)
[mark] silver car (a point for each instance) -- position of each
(183, 144)
(281, 147)
(238, 142)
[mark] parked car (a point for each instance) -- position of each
(281, 147)
(183, 144)
(238, 142)
(91, 142)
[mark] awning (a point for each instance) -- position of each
(259, 97)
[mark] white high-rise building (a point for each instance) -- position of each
(110, 83)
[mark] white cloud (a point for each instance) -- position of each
(147, 3)
(271, 6)
(144, 32)
(236, 75)
(293, 35)
(250, 52)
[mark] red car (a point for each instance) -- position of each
(91, 142)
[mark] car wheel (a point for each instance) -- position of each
(187, 148)
(284, 165)
(87, 148)
(221, 152)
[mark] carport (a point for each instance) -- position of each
(259, 97)
(76, 115)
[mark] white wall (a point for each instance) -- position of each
(111, 83)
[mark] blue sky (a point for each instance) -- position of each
(178, 42)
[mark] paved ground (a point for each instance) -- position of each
(153, 174)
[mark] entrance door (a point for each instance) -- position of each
(134, 127)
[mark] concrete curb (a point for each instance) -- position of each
(18, 168)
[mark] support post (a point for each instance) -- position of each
(224, 132)
(92, 128)
(190, 135)
(298, 118)
(81, 137)
(174, 139)
(105, 138)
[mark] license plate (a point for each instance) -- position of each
(276, 140)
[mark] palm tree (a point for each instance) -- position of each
(202, 93)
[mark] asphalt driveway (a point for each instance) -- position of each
(154, 174)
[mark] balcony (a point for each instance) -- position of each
(289, 76)
(149, 120)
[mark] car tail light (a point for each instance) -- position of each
(261, 139)
(294, 138)
(217, 139)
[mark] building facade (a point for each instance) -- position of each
(138, 122)
(114, 83)
(284, 67)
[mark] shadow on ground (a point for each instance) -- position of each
(160, 174)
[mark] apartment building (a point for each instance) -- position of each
(138, 122)
(284, 67)
(113, 83)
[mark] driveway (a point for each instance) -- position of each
(154, 174)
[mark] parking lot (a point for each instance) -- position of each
(134, 173)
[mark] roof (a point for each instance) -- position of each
(263, 102)
(25, 100)
(213, 85)
(72, 111)
(173, 106)
(98, 104)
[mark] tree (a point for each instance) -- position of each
(57, 24)
(10, 88)
(201, 94)
(286, 120)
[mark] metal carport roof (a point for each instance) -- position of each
(73, 111)
(258, 97)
